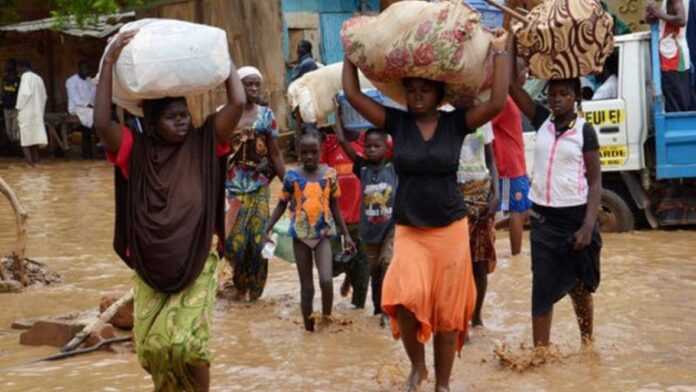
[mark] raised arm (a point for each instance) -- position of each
(481, 114)
(675, 13)
(228, 117)
(371, 110)
(109, 132)
(341, 136)
(522, 99)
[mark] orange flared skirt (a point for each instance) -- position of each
(431, 276)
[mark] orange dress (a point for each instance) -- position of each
(431, 276)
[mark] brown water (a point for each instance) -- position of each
(645, 313)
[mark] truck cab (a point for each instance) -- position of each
(648, 156)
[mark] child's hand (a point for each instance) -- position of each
(349, 244)
(267, 237)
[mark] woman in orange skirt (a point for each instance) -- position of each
(429, 287)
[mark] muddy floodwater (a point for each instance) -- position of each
(645, 313)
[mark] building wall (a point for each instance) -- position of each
(325, 34)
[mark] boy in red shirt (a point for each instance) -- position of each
(508, 147)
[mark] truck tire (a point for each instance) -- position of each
(615, 215)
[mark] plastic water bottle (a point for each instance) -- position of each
(269, 249)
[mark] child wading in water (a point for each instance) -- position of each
(566, 192)
(379, 181)
(312, 192)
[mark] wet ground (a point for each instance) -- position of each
(645, 313)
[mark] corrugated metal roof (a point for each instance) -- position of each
(105, 26)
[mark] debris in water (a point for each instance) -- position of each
(527, 357)
(36, 273)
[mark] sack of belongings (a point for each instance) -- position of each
(169, 58)
(564, 39)
(314, 93)
(442, 41)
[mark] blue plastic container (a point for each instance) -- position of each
(491, 17)
(352, 119)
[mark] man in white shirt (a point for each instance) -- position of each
(610, 86)
(81, 94)
(31, 104)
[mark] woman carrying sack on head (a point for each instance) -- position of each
(566, 193)
(429, 287)
(169, 206)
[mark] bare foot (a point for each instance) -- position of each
(309, 324)
(415, 379)
(237, 295)
(587, 344)
(326, 320)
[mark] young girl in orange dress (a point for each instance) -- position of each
(312, 192)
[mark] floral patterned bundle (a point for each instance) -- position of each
(565, 38)
(441, 41)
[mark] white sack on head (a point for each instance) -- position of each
(169, 58)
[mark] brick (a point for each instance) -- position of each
(123, 318)
(54, 333)
(107, 331)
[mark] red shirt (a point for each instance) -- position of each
(122, 158)
(333, 155)
(508, 145)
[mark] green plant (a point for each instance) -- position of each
(8, 12)
(86, 12)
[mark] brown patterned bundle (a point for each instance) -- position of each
(565, 38)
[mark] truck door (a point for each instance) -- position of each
(608, 116)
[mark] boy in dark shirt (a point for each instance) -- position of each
(379, 182)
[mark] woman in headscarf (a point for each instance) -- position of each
(255, 160)
(169, 206)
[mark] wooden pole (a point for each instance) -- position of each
(98, 322)
(21, 242)
(51, 70)
(508, 11)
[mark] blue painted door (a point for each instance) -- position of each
(331, 48)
